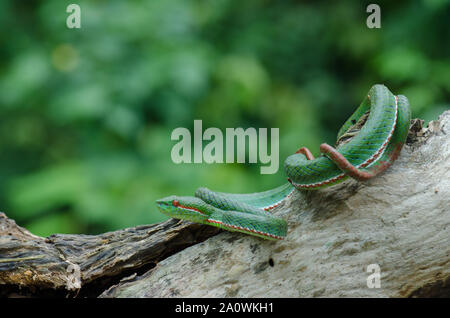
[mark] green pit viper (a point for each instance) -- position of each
(360, 155)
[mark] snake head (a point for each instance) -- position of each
(186, 208)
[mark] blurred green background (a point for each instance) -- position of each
(86, 114)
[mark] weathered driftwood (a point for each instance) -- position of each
(398, 221)
(63, 264)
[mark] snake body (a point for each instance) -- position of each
(369, 152)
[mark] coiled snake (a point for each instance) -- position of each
(369, 152)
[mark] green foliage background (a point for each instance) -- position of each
(86, 115)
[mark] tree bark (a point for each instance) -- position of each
(387, 237)
(84, 265)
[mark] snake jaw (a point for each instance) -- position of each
(187, 208)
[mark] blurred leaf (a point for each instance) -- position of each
(52, 224)
(402, 64)
(47, 188)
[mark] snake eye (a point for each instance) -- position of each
(175, 203)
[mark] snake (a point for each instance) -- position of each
(367, 144)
